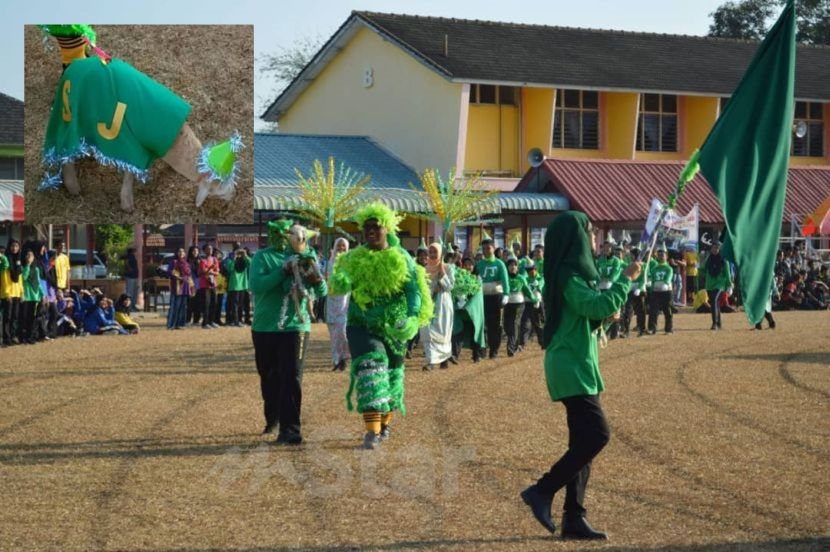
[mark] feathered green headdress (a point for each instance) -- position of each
(385, 216)
(70, 31)
(278, 232)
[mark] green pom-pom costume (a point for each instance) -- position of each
(390, 301)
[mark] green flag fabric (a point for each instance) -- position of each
(745, 159)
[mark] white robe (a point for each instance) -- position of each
(437, 337)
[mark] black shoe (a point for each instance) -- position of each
(577, 527)
(772, 326)
(509, 353)
(269, 428)
(476, 360)
(444, 365)
(385, 433)
(714, 327)
(493, 356)
(758, 326)
(408, 354)
(669, 332)
(641, 333)
(454, 360)
(540, 506)
(292, 439)
(623, 335)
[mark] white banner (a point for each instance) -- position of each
(677, 231)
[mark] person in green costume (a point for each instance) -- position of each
(532, 317)
(660, 277)
(390, 301)
(468, 323)
(280, 330)
(519, 293)
(575, 310)
(718, 280)
(636, 304)
(493, 274)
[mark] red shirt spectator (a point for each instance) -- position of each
(208, 269)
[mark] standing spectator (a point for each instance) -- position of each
(131, 274)
(62, 267)
(11, 293)
(194, 306)
(32, 296)
(182, 290)
(221, 289)
(692, 262)
(237, 268)
(49, 285)
(337, 309)
(208, 269)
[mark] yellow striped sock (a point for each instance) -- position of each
(372, 420)
(385, 419)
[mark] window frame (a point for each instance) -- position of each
(475, 94)
(560, 109)
(809, 121)
(640, 140)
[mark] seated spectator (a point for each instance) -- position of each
(66, 313)
(815, 296)
(99, 320)
(122, 314)
(725, 303)
(701, 302)
(791, 298)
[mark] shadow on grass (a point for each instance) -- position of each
(805, 544)
(812, 357)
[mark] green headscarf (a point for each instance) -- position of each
(567, 253)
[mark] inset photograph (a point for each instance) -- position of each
(138, 123)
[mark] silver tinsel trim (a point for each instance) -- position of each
(52, 160)
(227, 183)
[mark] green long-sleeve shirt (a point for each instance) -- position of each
(492, 270)
(660, 272)
(237, 281)
(609, 268)
(31, 292)
(271, 285)
(722, 280)
(571, 359)
(518, 284)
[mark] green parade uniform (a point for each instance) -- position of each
(609, 268)
(468, 322)
(531, 321)
(575, 310)
(660, 279)
(636, 304)
(389, 302)
(495, 287)
(718, 280)
(280, 331)
(519, 293)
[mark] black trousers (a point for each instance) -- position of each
(531, 323)
(279, 361)
(714, 294)
(195, 306)
(51, 320)
(659, 301)
(208, 305)
(492, 322)
(636, 306)
(233, 310)
(246, 306)
(28, 312)
(588, 433)
(11, 319)
(512, 316)
(216, 317)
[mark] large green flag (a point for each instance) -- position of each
(745, 160)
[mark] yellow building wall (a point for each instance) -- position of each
(620, 124)
(812, 161)
(409, 108)
(492, 138)
(699, 115)
(537, 122)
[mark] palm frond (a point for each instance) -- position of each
(330, 195)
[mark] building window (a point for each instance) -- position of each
(11, 168)
(657, 125)
(812, 144)
(493, 94)
(576, 119)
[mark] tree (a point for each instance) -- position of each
(751, 19)
(284, 65)
(112, 240)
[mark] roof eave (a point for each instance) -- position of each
(331, 48)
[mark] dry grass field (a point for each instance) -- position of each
(210, 66)
(720, 441)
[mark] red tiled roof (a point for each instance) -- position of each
(613, 191)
